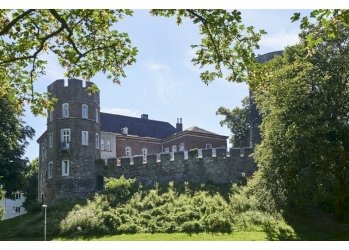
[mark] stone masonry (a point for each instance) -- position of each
(197, 166)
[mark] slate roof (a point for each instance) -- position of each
(199, 130)
(136, 126)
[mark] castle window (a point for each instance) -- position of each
(18, 195)
(50, 115)
(50, 166)
(97, 120)
(208, 145)
(102, 144)
(65, 168)
(16, 210)
(84, 111)
(65, 110)
(50, 140)
(97, 140)
(167, 150)
(108, 145)
(181, 146)
(128, 151)
(174, 148)
(144, 152)
(84, 137)
(65, 138)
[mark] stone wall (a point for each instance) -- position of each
(198, 166)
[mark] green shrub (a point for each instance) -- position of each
(279, 230)
(191, 227)
(119, 190)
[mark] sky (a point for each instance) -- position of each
(163, 83)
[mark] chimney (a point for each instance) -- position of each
(179, 125)
(144, 116)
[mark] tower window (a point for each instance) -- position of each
(97, 120)
(65, 168)
(84, 111)
(50, 166)
(84, 137)
(97, 140)
(65, 110)
(50, 115)
(50, 140)
(65, 138)
(128, 151)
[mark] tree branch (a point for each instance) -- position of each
(42, 43)
(14, 21)
(67, 28)
(204, 22)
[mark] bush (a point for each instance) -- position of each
(279, 230)
(119, 190)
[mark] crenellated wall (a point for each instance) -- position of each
(196, 166)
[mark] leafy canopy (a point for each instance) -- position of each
(86, 42)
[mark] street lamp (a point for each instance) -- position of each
(45, 206)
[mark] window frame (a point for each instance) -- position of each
(50, 140)
(97, 141)
(65, 173)
(65, 110)
(128, 151)
(49, 169)
(84, 143)
(84, 111)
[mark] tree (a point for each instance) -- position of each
(1, 208)
(13, 138)
(86, 42)
(30, 187)
(304, 100)
(237, 120)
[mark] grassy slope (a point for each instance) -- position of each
(30, 227)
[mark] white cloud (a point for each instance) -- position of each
(279, 40)
(121, 111)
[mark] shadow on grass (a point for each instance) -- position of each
(30, 226)
(315, 225)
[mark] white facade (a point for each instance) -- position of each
(108, 147)
(14, 207)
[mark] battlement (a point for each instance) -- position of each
(72, 88)
(68, 83)
(216, 165)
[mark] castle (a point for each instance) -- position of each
(82, 145)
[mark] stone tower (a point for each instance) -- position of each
(255, 118)
(70, 145)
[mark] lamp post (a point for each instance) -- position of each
(45, 206)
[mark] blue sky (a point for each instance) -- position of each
(163, 83)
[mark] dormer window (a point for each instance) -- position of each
(124, 131)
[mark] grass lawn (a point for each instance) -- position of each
(235, 236)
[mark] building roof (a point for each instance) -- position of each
(199, 130)
(136, 126)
